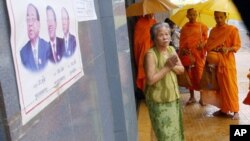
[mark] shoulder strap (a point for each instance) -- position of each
(157, 53)
(171, 49)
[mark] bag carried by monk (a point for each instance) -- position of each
(184, 80)
(186, 57)
(209, 78)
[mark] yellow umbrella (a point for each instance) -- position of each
(179, 17)
(206, 12)
(145, 7)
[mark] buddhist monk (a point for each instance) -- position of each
(225, 40)
(192, 54)
(142, 42)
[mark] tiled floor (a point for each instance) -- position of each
(199, 123)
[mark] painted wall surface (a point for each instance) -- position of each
(98, 107)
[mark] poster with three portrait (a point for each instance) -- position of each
(45, 49)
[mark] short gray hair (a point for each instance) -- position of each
(155, 27)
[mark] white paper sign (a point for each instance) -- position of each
(85, 10)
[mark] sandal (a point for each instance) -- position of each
(191, 100)
(202, 103)
(219, 113)
(235, 116)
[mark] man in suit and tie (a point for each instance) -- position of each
(35, 53)
(69, 39)
(56, 43)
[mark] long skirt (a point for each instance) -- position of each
(166, 119)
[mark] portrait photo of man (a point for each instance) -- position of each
(56, 43)
(69, 39)
(35, 53)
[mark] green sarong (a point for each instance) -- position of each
(166, 119)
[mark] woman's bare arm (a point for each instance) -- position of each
(152, 76)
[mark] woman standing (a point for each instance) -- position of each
(161, 65)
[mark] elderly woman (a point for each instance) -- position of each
(161, 65)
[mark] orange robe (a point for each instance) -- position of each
(228, 36)
(142, 42)
(191, 35)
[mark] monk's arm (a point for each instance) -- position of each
(236, 41)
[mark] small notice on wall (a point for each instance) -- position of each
(85, 10)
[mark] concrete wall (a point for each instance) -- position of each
(98, 107)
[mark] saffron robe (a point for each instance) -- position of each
(227, 36)
(193, 34)
(142, 42)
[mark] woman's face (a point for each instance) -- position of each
(162, 37)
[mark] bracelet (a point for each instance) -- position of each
(231, 49)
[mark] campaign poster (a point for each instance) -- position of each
(45, 49)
